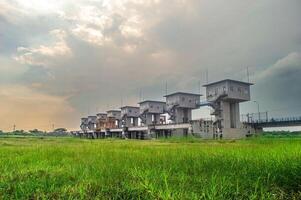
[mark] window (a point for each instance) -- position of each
(130, 110)
(231, 88)
(183, 98)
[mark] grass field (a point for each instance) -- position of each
(69, 168)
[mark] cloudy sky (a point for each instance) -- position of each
(61, 60)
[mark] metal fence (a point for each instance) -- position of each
(263, 117)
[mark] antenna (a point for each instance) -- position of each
(248, 75)
(140, 95)
(166, 88)
(14, 128)
(207, 76)
(121, 100)
(199, 86)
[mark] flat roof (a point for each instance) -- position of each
(101, 114)
(185, 93)
(113, 111)
(230, 80)
(151, 101)
(129, 107)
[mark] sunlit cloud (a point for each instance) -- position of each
(43, 54)
(89, 53)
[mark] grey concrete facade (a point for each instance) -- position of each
(179, 106)
(224, 97)
(116, 114)
(130, 116)
(150, 111)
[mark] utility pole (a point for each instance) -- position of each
(207, 76)
(53, 127)
(199, 87)
(14, 128)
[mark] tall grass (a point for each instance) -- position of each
(66, 168)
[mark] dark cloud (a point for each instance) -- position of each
(104, 50)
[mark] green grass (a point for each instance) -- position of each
(69, 168)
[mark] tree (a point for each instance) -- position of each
(35, 131)
(60, 130)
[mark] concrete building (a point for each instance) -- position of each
(84, 124)
(180, 104)
(224, 97)
(116, 116)
(130, 116)
(150, 112)
(101, 121)
(92, 120)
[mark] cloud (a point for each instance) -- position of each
(45, 55)
(104, 49)
(277, 88)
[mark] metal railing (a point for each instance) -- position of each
(258, 118)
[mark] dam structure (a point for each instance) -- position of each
(173, 117)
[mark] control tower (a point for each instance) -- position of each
(224, 97)
(115, 115)
(150, 111)
(92, 123)
(180, 104)
(101, 121)
(84, 124)
(130, 115)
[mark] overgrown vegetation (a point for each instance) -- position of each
(282, 134)
(70, 168)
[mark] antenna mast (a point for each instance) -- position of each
(166, 88)
(248, 75)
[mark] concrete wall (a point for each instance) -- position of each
(130, 111)
(114, 113)
(182, 115)
(235, 91)
(153, 107)
(203, 129)
(230, 115)
(152, 119)
(239, 91)
(183, 100)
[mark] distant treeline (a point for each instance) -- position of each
(35, 132)
(281, 134)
